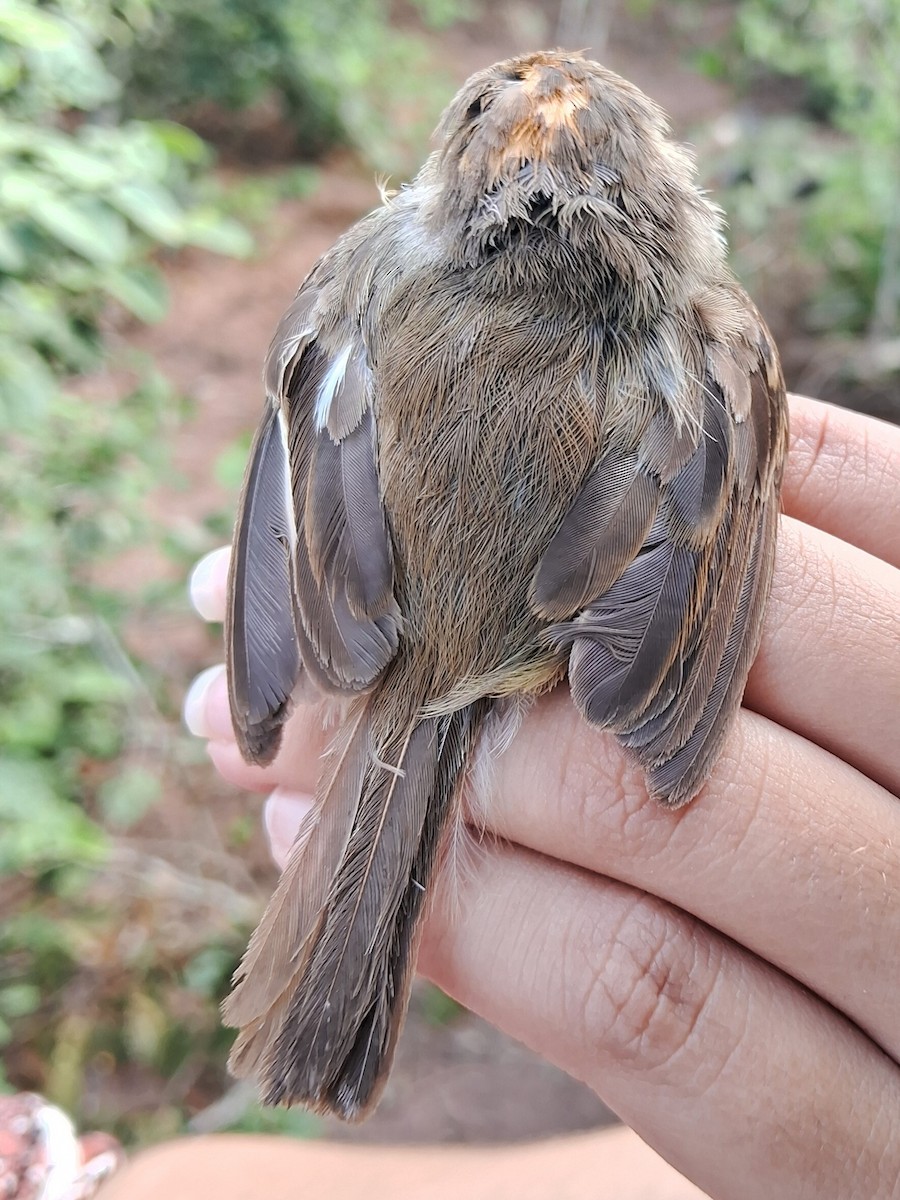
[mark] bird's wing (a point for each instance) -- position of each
(657, 578)
(311, 594)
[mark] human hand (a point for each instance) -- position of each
(725, 976)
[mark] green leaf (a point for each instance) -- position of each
(90, 682)
(82, 166)
(230, 465)
(78, 73)
(12, 256)
(28, 26)
(21, 189)
(41, 827)
(152, 208)
(85, 225)
(26, 386)
(33, 723)
(19, 999)
(437, 1007)
(208, 969)
(146, 1026)
(283, 1122)
(180, 141)
(41, 320)
(126, 797)
(709, 62)
(140, 289)
(204, 227)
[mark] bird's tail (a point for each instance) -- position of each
(323, 987)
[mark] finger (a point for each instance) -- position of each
(843, 476)
(604, 1164)
(788, 851)
(207, 715)
(860, 726)
(227, 760)
(205, 711)
(745, 1082)
(283, 814)
(297, 766)
(208, 584)
(829, 661)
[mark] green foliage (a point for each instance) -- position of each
(281, 1122)
(838, 163)
(337, 71)
(437, 1007)
(85, 204)
(251, 198)
(81, 204)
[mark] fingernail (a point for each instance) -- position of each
(207, 584)
(194, 711)
(283, 814)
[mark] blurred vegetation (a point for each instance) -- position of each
(113, 957)
(333, 73)
(828, 155)
(86, 200)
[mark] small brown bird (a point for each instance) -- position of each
(521, 422)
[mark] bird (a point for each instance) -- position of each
(521, 425)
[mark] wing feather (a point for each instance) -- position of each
(599, 536)
(263, 654)
(313, 582)
(660, 652)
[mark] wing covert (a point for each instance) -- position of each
(660, 651)
(312, 589)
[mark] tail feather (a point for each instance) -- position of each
(278, 947)
(365, 1068)
(320, 999)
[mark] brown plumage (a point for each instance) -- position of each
(521, 421)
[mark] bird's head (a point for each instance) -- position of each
(557, 142)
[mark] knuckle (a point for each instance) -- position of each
(644, 1003)
(830, 452)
